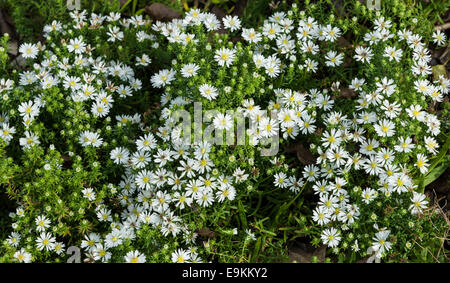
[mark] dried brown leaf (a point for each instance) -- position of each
(162, 12)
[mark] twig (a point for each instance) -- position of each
(444, 216)
(437, 260)
(442, 27)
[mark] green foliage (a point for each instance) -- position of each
(254, 215)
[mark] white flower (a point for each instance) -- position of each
(114, 34)
(143, 179)
(331, 33)
(356, 84)
(223, 121)
(272, 69)
(251, 35)
(225, 56)
(29, 140)
(89, 194)
(392, 53)
(321, 215)
(76, 45)
(208, 91)
(100, 109)
(101, 253)
(385, 128)
(143, 61)
(381, 23)
(204, 197)
(189, 70)
(281, 180)
(439, 38)
(405, 145)
(363, 54)
(45, 241)
(134, 257)
(88, 138)
(331, 237)
(415, 111)
(6, 132)
(386, 86)
(163, 78)
(146, 142)
(431, 145)
(333, 59)
(311, 65)
(418, 203)
(231, 22)
(54, 26)
(42, 223)
(368, 195)
(29, 109)
(239, 175)
(29, 50)
(23, 256)
(271, 30)
(211, 22)
(380, 244)
(421, 163)
(226, 192)
(180, 256)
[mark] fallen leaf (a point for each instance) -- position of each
(303, 154)
(162, 12)
(438, 70)
(219, 14)
(19, 62)
(347, 93)
(240, 7)
(306, 254)
(13, 48)
(343, 42)
(445, 55)
(442, 27)
(5, 25)
(206, 232)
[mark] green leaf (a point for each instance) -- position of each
(438, 70)
(125, 6)
(242, 215)
(436, 172)
(256, 249)
(140, 11)
(134, 7)
(442, 156)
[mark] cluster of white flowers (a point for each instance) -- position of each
(165, 178)
(380, 112)
(382, 108)
(92, 85)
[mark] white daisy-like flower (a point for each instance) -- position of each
(208, 91)
(421, 163)
(89, 194)
(225, 56)
(439, 38)
(419, 202)
(134, 257)
(223, 121)
(331, 237)
(333, 59)
(181, 256)
(189, 70)
(29, 50)
(231, 22)
(163, 78)
(251, 35)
